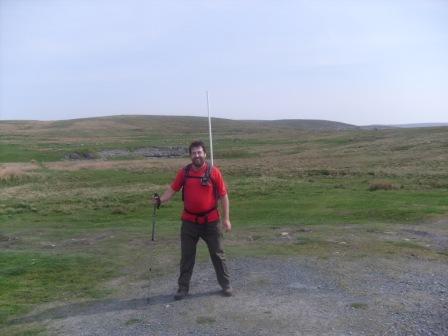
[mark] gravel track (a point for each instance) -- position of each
(274, 296)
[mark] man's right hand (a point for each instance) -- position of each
(164, 198)
(156, 200)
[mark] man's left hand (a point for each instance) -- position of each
(227, 225)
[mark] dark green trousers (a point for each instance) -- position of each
(189, 237)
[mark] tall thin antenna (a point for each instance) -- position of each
(209, 128)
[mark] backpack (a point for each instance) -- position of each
(206, 179)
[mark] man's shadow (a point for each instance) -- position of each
(104, 306)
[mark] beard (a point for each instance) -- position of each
(198, 162)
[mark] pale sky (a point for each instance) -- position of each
(359, 62)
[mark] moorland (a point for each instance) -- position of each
(77, 228)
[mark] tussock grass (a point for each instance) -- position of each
(12, 173)
(382, 185)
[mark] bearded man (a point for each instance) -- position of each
(203, 187)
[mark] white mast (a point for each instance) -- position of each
(209, 129)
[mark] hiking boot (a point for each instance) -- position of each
(227, 291)
(181, 294)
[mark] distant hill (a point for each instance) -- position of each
(421, 125)
(174, 124)
(188, 124)
(418, 125)
(377, 127)
(306, 124)
(130, 137)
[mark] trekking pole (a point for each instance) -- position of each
(154, 215)
(153, 233)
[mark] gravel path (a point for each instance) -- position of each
(274, 296)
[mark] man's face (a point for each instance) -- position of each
(198, 156)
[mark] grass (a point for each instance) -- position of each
(132, 322)
(69, 227)
(11, 152)
(28, 330)
(330, 201)
(205, 319)
(359, 305)
(28, 278)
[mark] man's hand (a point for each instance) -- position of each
(225, 213)
(156, 200)
(227, 225)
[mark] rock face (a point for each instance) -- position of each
(156, 152)
(161, 152)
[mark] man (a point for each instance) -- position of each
(202, 187)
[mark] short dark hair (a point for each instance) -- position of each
(197, 143)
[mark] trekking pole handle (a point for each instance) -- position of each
(158, 201)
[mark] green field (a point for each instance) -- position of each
(69, 227)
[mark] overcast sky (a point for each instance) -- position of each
(359, 62)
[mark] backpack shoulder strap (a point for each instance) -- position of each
(208, 172)
(208, 175)
(186, 172)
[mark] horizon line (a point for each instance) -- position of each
(232, 119)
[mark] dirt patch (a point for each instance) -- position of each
(79, 242)
(434, 237)
(387, 292)
(273, 296)
(79, 165)
(23, 166)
